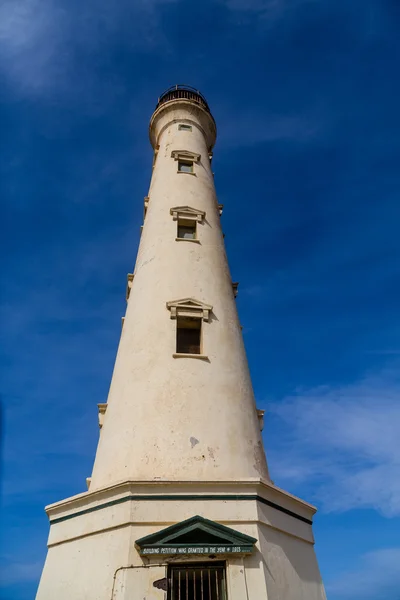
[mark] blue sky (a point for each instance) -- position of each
(306, 98)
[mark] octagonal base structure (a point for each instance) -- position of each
(127, 541)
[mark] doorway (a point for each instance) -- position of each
(195, 581)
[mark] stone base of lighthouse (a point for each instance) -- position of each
(93, 551)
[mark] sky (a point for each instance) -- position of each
(306, 97)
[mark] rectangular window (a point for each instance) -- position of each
(197, 581)
(184, 127)
(188, 335)
(187, 230)
(185, 166)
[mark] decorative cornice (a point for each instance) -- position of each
(185, 155)
(182, 498)
(249, 485)
(187, 213)
(189, 307)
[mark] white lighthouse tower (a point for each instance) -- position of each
(180, 505)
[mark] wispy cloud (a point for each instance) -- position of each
(18, 572)
(255, 128)
(370, 19)
(32, 33)
(37, 378)
(377, 576)
(342, 443)
(45, 44)
(271, 9)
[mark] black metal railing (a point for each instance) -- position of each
(185, 92)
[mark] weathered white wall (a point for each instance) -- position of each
(291, 567)
(137, 582)
(84, 568)
(180, 418)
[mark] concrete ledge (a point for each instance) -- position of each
(141, 502)
(184, 355)
(187, 240)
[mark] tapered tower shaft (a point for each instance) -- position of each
(180, 504)
(174, 414)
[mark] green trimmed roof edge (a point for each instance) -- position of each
(177, 529)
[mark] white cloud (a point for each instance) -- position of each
(342, 443)
(378, 576)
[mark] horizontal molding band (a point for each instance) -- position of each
(178, 497)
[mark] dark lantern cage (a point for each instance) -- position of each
(185, 92)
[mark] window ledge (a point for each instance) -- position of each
(186, 173)
(187, 240)
(186, 355)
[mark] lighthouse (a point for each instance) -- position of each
(180, 504)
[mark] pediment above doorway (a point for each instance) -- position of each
(196, 536)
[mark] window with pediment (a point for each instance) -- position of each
(189, 315)
(186, 161)
(187, 219)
